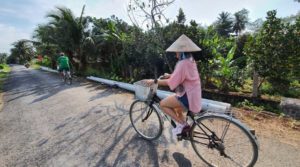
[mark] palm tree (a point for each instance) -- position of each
(224, 24)
(70, 32)
(46, 43)
(240, 21)
(22, 50)
(45, 34)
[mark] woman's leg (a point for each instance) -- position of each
(169, 104)
(179, 112)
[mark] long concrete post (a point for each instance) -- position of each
(207, 105)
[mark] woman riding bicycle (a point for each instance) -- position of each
(185, 80)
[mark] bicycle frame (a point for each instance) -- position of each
(202, 135)
(66, 73)
(202, 129)
(156, 100)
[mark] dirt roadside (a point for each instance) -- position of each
(47, 123)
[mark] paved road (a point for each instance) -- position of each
(47, 123)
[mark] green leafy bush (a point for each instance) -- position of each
(45, 62)
(92, 72)
(250, 106)
(294, 90)
(5, 68)
(246, 104)
(266, 88)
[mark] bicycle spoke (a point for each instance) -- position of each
(148, 123)
(235, 144)
(199, 137)
(238, 144)
(241, 161)
(235, 162)
(200, 142)
(225, 131)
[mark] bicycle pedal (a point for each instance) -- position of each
(183, 136)
(179, 138)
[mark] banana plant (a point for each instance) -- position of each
(225, 67)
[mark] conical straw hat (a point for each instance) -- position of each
(183, 44)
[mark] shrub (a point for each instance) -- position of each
(92, 72)
(250, 106)
(45, 62)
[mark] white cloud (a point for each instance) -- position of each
(10, 34)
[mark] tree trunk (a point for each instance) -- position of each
(255, 85)
(53, 63)
(83, 63)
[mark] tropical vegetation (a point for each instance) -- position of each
(260, 57)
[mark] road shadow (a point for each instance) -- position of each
(134, 144)
(104, 136)
(100, 135)
(181, 160)
(23, 82)
(106, 91)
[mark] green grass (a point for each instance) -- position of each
(35, 66)
(97, 73)
(5, 69)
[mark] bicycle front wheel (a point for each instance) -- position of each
(145, 120)
(229, 143)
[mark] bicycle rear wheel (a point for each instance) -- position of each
(237, 144)
(69, 79)
(145, 120)
(64, 76)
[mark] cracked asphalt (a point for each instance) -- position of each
(47, 123)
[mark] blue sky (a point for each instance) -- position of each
(18, 18)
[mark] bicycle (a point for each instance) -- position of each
(67, 77)
(218, 139)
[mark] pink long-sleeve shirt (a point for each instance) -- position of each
(186, 74)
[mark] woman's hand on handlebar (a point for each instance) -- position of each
(148, 82)
(165, 76)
